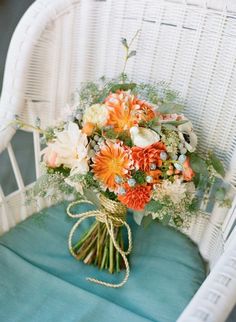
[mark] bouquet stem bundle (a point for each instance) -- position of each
(96, 247)
(103, 244)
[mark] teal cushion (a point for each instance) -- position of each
(41, 281)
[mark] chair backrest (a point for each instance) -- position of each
(191, 45)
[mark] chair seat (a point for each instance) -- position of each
(41, 281)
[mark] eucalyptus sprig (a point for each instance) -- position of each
(128, 52)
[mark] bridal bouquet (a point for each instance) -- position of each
(131, 146)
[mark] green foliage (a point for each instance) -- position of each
(160, 94)
(96, 92)
(200, 181)
(170, 108)
(216, 163)
(124, 42)
(154, 206)
(139, 176)
(123, 87)
(193, 205)
(146, 221)
(62, 170)
(198, 164)
(110, 133)
(220, 194)
(171, 140)
(89, 181)
(49, 185)
(89, 94)
(178, 221)
(110, 195)
(175, 123)
(166, 219)
(49, 134)
(131, 54)
(125, 137)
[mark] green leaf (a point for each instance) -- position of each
(202, 182)
(124, 87)
(217, 164)
(124, 42)
(178, 221)
(110, 195)
(170, 108)
(131, 54)
(165, 221)
(139, 176)
(170, 95)
(220, 194)
(102, 97)
(63, 170)
(110, 133)
(90, 181)
(147, 220)
(198, 164)
(153, 206)
(175, 123)
(194, 205)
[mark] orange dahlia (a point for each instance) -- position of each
(144, 157)
(137, 197)
(113, 160)
(126, 110)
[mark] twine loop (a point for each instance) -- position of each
(112, 214)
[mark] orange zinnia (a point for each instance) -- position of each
(126, 110)
(137, 197)
(112, 160)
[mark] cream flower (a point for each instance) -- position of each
(143, 137)
(68, 149)
(176, 191)
(187, 136)
(96, 114)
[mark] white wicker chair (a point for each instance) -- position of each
(191, 44)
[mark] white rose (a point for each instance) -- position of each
(69, 149)
(143, 137)
(96, 114)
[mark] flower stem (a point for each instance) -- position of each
(127, 56)
(85, 236)
(111, 253)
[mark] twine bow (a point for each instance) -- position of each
(113, 215)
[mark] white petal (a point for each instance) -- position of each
(73, 132)
(143, 137)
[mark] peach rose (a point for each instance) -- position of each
(51, 158)
(188, 172)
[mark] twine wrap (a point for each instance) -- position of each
(112, 214)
